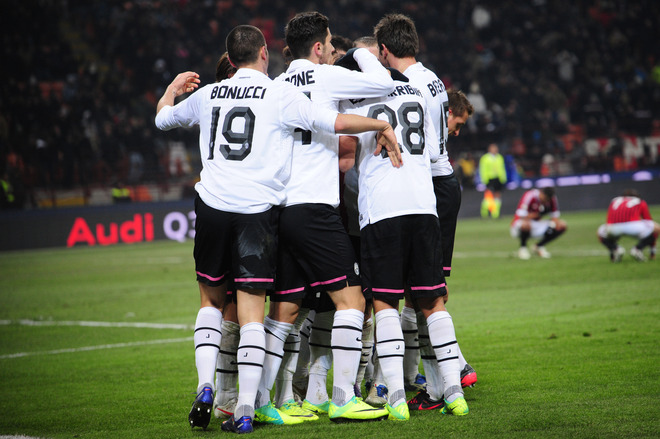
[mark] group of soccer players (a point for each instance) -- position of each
(268, 225)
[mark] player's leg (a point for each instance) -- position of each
(522, 229)
(609, 237)
(384, 275)
(448, 204)
(555, 228)
(411, 356)
(254, 260)
(367, 349)
(284, 381)
(278, 324)
(226, 371)
(427, 285)
(486, 203)
(646, 232)
(320, 362)
(497, 204)
(207, 338)
(285, 303)
(301, 374)
(212, 262)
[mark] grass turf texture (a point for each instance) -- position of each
(566, 347)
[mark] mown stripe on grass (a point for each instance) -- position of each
(27, 322)
(95, 348)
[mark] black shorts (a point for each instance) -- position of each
(495, 185)
(244, 245)
(447, 191)
(401, 252)
(315, 253)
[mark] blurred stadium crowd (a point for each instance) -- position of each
(560, 85)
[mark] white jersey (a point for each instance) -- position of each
(246, 132)
(386, 191)
(315, 168)
(437, 102)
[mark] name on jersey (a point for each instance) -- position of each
(436, 87)
(236, 92)
(302, 78)
(405, 90)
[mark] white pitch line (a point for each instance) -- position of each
(95, 348)
(27, 322)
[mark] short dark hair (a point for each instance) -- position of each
(459, 103)
(304, 30)
(549, 191)
(631, 193)
(224, 69)
(341, 43)
(243, 44)
(398, 33)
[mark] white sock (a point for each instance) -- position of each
(320, 356)
(284, 380)
(346, 352)
(276, 334)
(367, 349)
(412, 356)
(443, 339)
(207, 345)
(302, 367)
(391, 348)
(250, 355)
(226, 372)
(434, 383)
(461, 359)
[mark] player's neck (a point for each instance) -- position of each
(401, 64)
(258, 66)
(313, 59)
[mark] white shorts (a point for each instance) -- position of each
(637, 229)
(538, 228)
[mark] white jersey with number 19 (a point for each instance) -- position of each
(246, 137)
(437, 102)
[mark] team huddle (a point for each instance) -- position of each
(269, 226)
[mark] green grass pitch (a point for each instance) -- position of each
(566, 347)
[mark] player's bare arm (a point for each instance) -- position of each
(347, 148)
(185, 82)
(354, 124)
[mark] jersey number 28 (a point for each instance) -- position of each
(409, 126)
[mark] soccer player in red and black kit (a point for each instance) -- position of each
(628, 215)
(527, 222)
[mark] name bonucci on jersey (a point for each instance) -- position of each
(246, 133)
(386, 191)
(315, 175)
(437, 102)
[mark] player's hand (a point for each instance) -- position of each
(185, 82)
(387, 139)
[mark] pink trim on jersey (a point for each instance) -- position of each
(386, 290)
(326, 282)
(428, 288)
(253, 279)
(209, 277)
(446, 268)
(294, 290)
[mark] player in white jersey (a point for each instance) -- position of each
(398, 46)
(246, 136)
(400, 239)
(315, 250)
